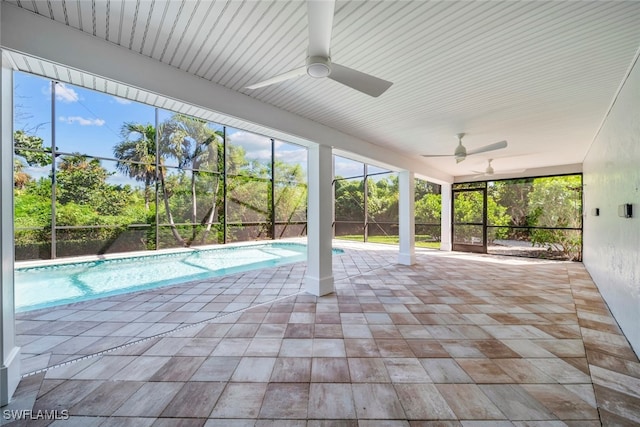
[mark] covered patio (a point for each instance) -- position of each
(381, 335)
(454, 340)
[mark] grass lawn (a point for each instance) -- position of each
(392, 240)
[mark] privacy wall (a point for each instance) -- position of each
(612, 178)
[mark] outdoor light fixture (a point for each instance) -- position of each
(595, 211)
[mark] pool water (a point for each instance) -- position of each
(41, 287)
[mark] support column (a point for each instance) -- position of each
(319, 278)
(445, 219)
(407, 218)
(10, 354)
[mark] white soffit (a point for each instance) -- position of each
(539, 74)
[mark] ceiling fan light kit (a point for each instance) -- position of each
(318, 67)
(318, 63)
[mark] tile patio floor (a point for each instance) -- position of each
(455, 340)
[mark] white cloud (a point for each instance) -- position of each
(256, 146)
(121, 100)
(259, 147)
(347, 168)
(296, 156)
(63, 93)
(66, 94)
(81, 121)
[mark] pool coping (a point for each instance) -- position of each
(135, 254)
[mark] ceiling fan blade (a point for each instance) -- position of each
(511, 171)
(282, 77)
(490, 147)
(320, 15)
(358, 80)
(437, 155)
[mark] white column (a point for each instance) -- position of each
(10, 369)
(407, 218)
(333, 196)
(319, 278)
(445, 220)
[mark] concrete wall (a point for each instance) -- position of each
(612, 177)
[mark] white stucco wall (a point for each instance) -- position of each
(612, 177)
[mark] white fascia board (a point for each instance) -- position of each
(25, 32)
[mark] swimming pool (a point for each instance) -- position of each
(47, 286)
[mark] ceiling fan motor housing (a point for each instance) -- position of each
(489, 170)
(460, 152)
(318, 66)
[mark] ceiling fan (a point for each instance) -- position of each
(461, 152)
(319, 64)
(489, 171)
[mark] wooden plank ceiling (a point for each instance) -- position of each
(541, 74)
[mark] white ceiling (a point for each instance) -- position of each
(541, 75)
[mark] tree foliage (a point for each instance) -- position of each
(31, 148)
(468, 208)
(429, 209)
(182, 166)
(557, 202)
(349, 199)
(183, 160)
(535, 203)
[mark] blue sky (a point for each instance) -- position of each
(86, 121)
(89, 122)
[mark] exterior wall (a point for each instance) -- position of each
(611, 178)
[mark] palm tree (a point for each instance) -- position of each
(195, 146)
(137, 158)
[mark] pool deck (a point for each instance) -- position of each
(455, 340)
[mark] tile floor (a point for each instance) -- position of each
(455, 340)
